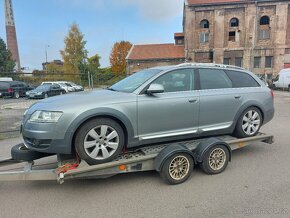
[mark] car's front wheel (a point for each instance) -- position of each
(249, 123)
(99, 140)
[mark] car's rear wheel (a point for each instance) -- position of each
(99, 140)
(249, 123)
(16, 95)
(45, 95)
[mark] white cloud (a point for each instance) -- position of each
(159, 10)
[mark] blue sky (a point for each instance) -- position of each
(103, 22)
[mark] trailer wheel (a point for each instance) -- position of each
(215, 160)
(21, 153)
(177, 168)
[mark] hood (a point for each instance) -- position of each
(83, 100)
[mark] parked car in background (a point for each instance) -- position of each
(13, 89)
(282, 81)
(152, 106)
(77, 88)
(45, 91)
(63, 85)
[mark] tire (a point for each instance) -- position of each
(16, 95)
(45, 95)
(99, 149)
(21, 153)
(215, 160)
(173, 173)
(253, 120)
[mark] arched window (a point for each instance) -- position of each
(265, 20)
(234, 22)
(204, 24)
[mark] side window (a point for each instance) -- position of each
(241, 79)
(177, 80)
(214, 79)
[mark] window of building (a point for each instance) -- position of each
(241, 79)
(176, 81)
(204, 24)
(265, 20)
(232, 36)
(204, 37)
(269, 62)
(227, 61)
(257, 62)
(214, 79)
(234, 22)
(239, 62)
(264, 34)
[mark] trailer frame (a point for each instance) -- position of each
(141, 159)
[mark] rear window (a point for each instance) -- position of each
(241, 79)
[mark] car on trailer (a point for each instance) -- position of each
(155, 105)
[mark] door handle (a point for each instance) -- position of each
(192, 100)
(237, 97)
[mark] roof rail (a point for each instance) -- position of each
(193, 64)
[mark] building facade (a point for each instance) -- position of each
(254, 34)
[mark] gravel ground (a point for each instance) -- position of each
(255, 184)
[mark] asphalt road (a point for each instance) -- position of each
(255, 184)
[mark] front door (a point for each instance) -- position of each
(172, 113)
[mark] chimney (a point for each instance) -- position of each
(11, 33)
(179, 38)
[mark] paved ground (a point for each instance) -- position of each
(255, 184)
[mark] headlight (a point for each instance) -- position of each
(45, 116)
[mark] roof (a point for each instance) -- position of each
(205, 2)
(156, 51)
(178, 34)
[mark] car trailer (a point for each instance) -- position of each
(174, 161)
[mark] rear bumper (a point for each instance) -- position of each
(268, 115)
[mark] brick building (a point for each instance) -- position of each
(152, 55)
(254, 34)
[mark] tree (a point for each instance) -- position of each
(53, 68)
(118, 57)
(7, 64)
(74, 54)
(94, 63)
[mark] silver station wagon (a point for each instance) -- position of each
(151, 106)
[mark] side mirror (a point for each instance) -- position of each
(154, 89)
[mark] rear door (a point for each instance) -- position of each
(219, 101)
(172, 113)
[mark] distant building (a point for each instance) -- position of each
(151, 55)
(254, 34)
(56, 62)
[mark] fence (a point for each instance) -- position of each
(13, 96)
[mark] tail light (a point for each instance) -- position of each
(272, 93)
(10, 90)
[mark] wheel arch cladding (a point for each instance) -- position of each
(247, 106)
(117, 116)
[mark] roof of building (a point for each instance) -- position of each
(156, 51)
(178, 34)
(204, 2)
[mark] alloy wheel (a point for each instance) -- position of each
(251, 122)
(217, 159)
(101, 142)
(179, 167)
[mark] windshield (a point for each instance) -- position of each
(43, 87)
(131, 83)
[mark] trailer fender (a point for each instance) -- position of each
(169, 151)
(205, 145)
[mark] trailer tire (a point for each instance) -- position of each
(177, 168)
(215, 160)
(21, 153)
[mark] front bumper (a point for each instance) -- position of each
(46, 138)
